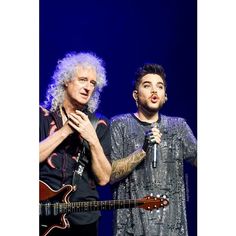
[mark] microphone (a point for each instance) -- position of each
(154, 162)
(155, 154)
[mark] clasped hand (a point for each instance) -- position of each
(81, 123)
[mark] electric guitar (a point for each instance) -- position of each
(55, 204)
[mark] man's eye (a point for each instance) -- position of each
(94, 83)
(146, 86)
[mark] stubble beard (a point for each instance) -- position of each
(150, 110)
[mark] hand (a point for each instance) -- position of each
(81, 123)
(151, 137)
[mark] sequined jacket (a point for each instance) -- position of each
(177, 144)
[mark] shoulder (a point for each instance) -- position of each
(121, 118)
(43, 111)
(102, 119)
(173, 119)
(97, 119)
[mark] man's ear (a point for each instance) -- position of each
(166, 98)
(135, 95)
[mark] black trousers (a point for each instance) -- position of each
(77, 230)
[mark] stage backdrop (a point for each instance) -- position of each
(127, 33)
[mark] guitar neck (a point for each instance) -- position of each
(62, 208)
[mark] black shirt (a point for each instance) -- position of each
(57, 170)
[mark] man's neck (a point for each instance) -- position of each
(147, 117)
(70, 107)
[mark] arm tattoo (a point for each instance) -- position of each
(121, 168)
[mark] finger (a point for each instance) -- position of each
(74, 119)
(154, 133)
(81, 114)
(155, 130)
(157, 138)
(73, 125)
(157, 133)
(152, 140)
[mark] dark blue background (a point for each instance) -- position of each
(125, 34)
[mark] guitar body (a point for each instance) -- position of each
(49, 223)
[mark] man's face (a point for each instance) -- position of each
(81, 87)
(150, 93)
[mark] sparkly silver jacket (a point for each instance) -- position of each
(177, 144)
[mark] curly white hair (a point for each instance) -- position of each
(66, 70)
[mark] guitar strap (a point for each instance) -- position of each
(82, 159)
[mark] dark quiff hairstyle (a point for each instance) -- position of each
(149, 68)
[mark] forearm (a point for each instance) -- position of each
(121, 168)
(48, 145)
(100, 165)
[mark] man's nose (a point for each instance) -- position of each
(88, 86)
(154, 89)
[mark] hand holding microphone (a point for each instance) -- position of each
(152, 139)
